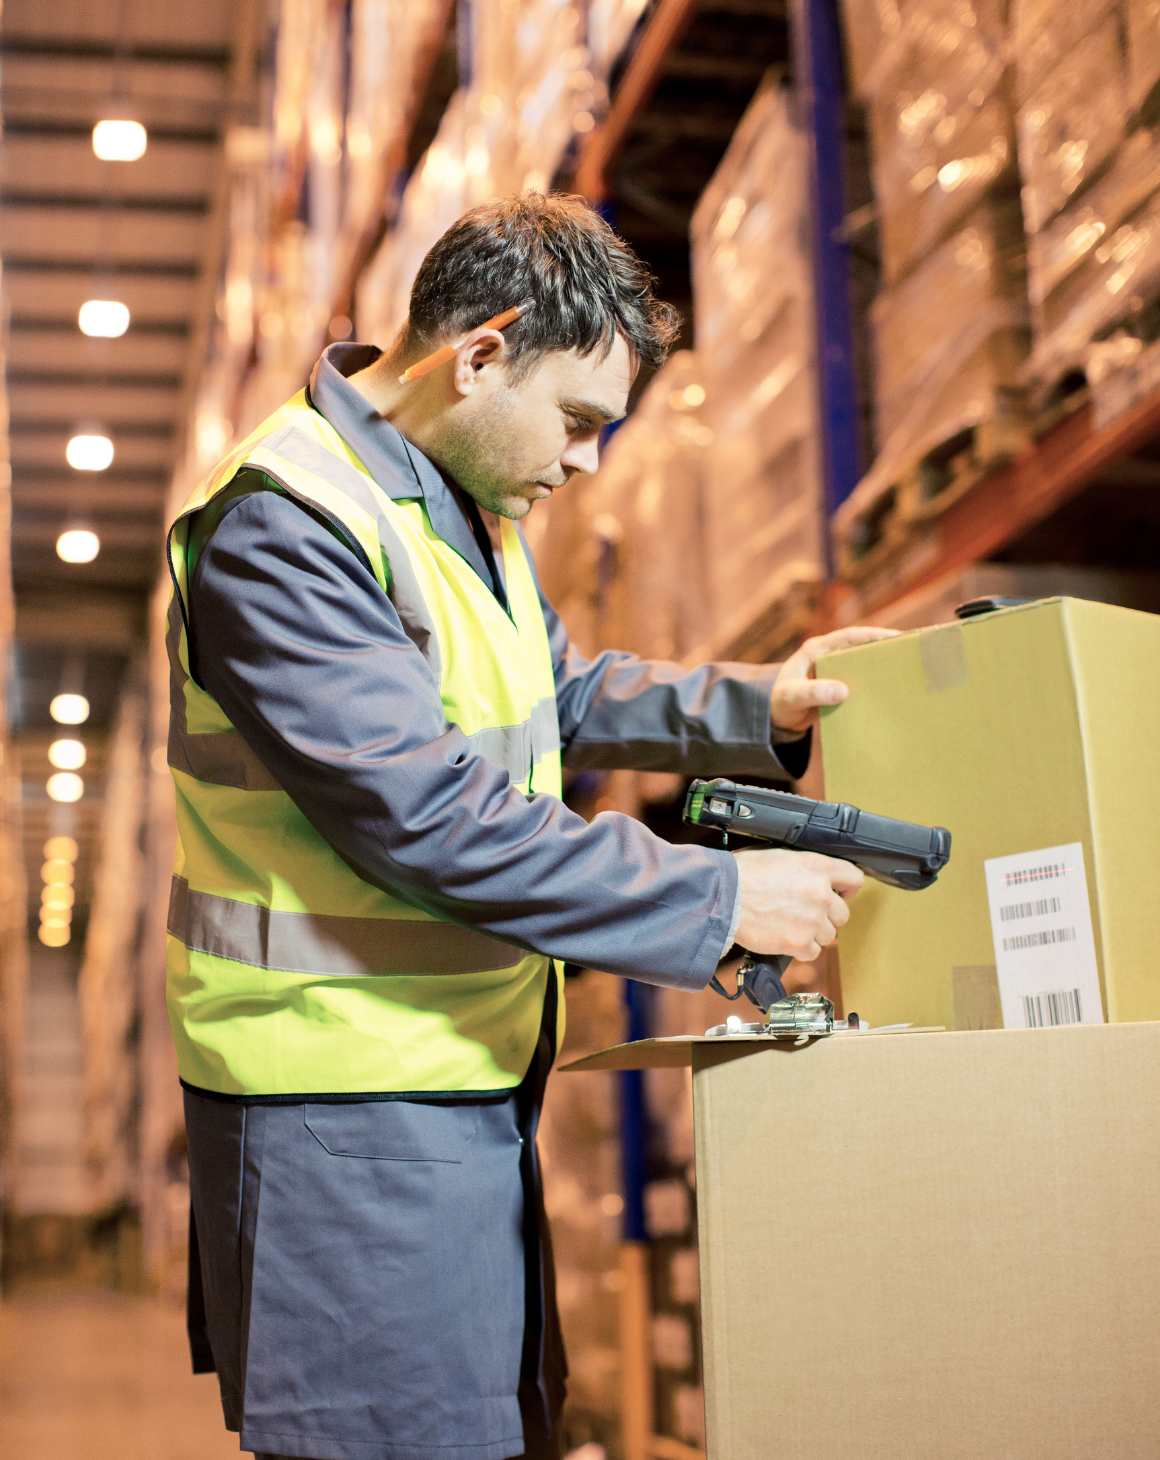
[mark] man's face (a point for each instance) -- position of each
(511, 443)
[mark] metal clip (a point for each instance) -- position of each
(800, 1017)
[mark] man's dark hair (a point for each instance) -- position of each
(585, 284)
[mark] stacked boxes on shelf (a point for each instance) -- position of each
(302, 189)
(1144, 58)
(946, 405)
(941, 124)
(755, 335)
(703, 532)
(626, 562)
(1086, 77)
(538, 79)
(941, 110)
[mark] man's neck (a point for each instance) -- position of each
(406, 406)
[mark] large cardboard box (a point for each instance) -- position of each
(928, 1246)
(1033, 730)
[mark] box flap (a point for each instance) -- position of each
(675, 1051)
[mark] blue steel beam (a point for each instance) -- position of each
(818, 74)
(634, 1117)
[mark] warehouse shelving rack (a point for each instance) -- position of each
(1058, 464)
(1073, 455)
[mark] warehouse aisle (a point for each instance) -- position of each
(106, 1378)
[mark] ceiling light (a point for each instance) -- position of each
(66, 755)
(54, 937)
(119, 141)
(61, 849)
(65, 786)
(57, 895)
(105, 319)
(69, 709)
(51, 915)
(78, 545)
(59, 871)
(89, 453)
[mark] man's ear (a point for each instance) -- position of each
(481, 347)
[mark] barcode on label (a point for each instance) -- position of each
(1034, 909)
(1035, 874)
(1038, 940)
(1045, 1010)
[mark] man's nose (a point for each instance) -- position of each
(582, 456)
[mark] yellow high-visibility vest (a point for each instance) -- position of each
(287, 972)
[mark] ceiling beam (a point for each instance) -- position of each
(129, 380)
(128, 202)
(141, 268)
(78, 48)
(87, 621)
(30, 473)
(82, 129)
(66, 496)
(67, 324)
(28, 426)
(118, 535)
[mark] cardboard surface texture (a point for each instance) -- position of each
(1025, 730)
(943, 1245)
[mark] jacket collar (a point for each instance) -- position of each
(396, 464)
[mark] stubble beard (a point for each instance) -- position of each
(476, 461)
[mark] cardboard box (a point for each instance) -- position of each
(1034, 729)
(928, 1245)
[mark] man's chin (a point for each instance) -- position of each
(514, 508)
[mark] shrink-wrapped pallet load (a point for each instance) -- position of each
(941, 124)
(626, 563)
(1091, 191)
(948, 399)
(752, 279)
(1144, 57)
(868, 27)
(387, 38)
(1071, 115)
(1095, 273)
(948, 402)
(535, 87)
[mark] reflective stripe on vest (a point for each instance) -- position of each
(332, 947)
(287, 972)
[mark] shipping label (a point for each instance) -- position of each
(1045, 952)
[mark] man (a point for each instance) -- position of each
(377, 881)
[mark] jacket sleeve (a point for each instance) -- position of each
(306, 655)
(619, 712)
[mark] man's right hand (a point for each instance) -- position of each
(793, 902)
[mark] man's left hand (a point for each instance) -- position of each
(797, 695)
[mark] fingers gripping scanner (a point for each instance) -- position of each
(900, 853)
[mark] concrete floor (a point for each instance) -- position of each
(104, 1378)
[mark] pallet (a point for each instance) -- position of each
(948, 471)
(871, 537)
(924, 489)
